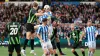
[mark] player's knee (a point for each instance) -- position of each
(28, 38)
(93, 50)
(10, 52)
(18, 52)
(54, 51)
(82, 49)
(90, 49)
(73, 50)
(32, 37)
(45, 52)
(28, 35)
(51, 52)
(57, 40)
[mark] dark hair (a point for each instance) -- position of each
(89, 21)
(44, 20)
(13, 18)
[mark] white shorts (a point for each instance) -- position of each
(46, 45)
(92, 44)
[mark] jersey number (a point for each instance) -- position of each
(13, 31)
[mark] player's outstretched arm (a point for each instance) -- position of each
(39, 14)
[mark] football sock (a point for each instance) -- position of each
(19, 54)
(10, 54)
(56, 54)
(25, 43)
(83, 53)
(75, 53)
(89, 53)
(58, 46)
(32, 44)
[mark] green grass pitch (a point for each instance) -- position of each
(39, 51)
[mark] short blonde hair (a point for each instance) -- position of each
(35, 4)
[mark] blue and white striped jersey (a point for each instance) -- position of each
(49, 14)
(42, 17)
(90, 33)
(43, 31)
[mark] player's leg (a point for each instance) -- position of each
(32, 44)
(74, 52)
(28, 36)
(10, 49)
(82, 48)
(45, 50)
(91, 51)
(54, 47)
(83, 52)
(73, 49)
(92, 47)
(18, 49)
(58, 46)
(50, 48)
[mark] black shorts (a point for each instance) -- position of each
(30, 27)
(76, 45)
(53, 44)
(16, 47)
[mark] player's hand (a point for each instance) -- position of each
(80, 39)
(42, 40)
(69, 44)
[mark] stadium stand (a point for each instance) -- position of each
(66, 14)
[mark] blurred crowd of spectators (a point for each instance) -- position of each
(78, 14)
(73, 13)
(64, 13)
(7, 10)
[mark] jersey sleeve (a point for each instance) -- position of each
(95, 30)
(50, 13)
(39, 30)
